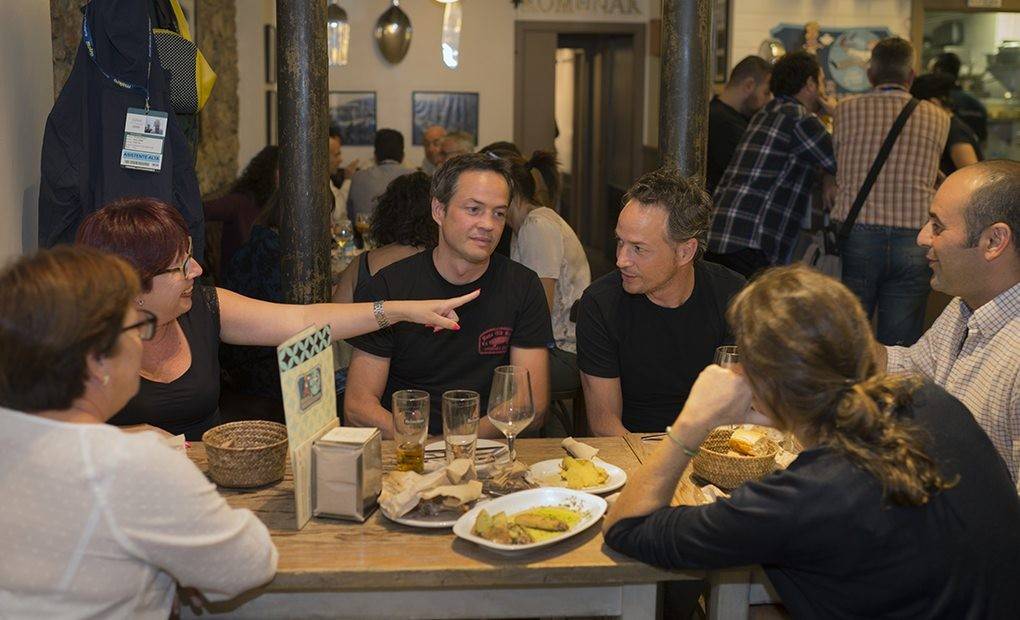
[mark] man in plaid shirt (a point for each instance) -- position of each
(881, 262)
(764, 193)
(972, 242)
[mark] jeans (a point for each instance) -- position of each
(888, 271)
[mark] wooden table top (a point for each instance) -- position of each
(335, 555)
(687, 493)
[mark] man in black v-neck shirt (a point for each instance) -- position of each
(728, 113)
(508, 324)
(645, 331)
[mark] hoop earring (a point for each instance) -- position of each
(140, 303)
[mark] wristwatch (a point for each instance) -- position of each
(380, 314)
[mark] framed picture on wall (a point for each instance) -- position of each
(450, 110)
(353, 112)
(269, 45)
(272, 125)
(720, 40)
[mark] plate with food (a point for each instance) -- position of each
(432, 500)
(530, 519)
(589, 475)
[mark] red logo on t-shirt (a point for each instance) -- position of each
(495, 341)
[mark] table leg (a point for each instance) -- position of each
(730, 594)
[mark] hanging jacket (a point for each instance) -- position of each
(84, 133)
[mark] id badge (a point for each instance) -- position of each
(144, 134)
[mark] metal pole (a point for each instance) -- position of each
(686, 84)
(302, 76)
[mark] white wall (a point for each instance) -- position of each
(26, 96)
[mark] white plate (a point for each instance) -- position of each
(592, 507)
(547, 474)
(440, 446)
(440, 521)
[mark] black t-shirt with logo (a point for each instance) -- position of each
(656, 352)
(510, 312)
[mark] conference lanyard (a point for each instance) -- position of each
(86, 36)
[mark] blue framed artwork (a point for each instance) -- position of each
(353, 112)
(842, 52)
(450, 110)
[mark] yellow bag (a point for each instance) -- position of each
(189, 75)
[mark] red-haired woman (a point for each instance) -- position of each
(180, 371)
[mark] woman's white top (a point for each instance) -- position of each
(97, 523)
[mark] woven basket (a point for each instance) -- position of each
(727, 471)
(246, 454)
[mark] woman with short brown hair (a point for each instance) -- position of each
(97, 522)
(180, 372)
(898, 507)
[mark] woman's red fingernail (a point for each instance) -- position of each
(456, 327)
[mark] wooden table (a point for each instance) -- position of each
(383, 569)
(734, 589)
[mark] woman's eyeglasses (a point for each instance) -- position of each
(146, 327)
(183, 267)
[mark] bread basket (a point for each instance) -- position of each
(729, 471)
(246, 454)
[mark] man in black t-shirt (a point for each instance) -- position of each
(645, 331)
(508, 324)
(746, 92)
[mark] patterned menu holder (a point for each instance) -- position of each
(309, 404)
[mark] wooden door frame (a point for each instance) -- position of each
(635, 29)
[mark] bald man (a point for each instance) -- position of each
(432, 141)
(973, 348)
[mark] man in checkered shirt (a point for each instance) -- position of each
(881, 262)
(764, 192)
(972, 242)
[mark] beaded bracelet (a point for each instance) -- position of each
(687, 451)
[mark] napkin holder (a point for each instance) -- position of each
(346, 473)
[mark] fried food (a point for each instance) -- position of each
(499, 529)
(581, 473)
(541, 522)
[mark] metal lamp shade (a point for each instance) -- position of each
(393, 34)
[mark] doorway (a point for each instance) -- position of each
(579, 90)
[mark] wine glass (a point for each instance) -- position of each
(362, 225)
(511, 408)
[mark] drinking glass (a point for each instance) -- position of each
(410, 428)
(727, 356)
(362, 225)
(511, 408)
(460, 424)
(344, 235)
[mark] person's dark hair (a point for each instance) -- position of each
(334, 132)
(948, 63)
(501, 148)
(791, 72)
(389, 144)
(754, 67)
(270, 215)
(58, 307)
(892, 61)
(147, 232)
(933, 86)
(806, 349)
(403, 213)
(994, 200)
(548, 168)
(446, 177)
(258, 179)
(688, 206)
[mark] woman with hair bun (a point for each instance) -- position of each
(899, 506)
(546, 244)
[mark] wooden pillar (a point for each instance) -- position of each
(302, 78)
(685, 84)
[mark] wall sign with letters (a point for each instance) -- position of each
(585, 9)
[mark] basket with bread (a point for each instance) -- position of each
(731, 456)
